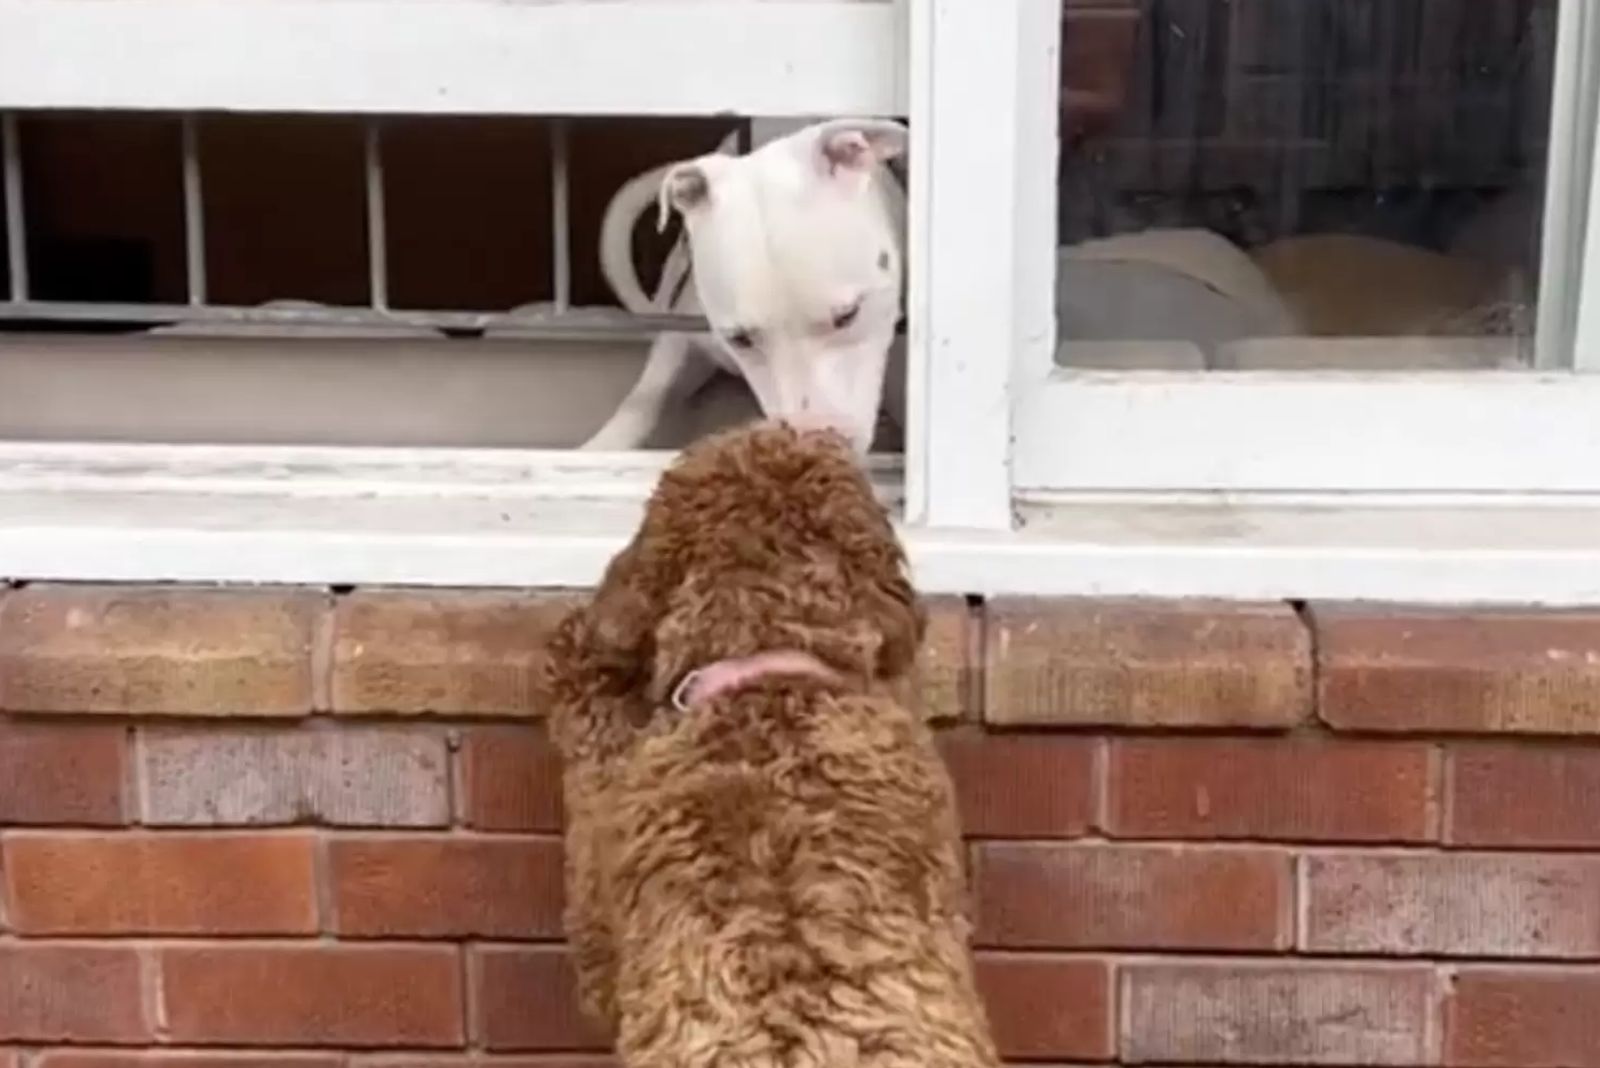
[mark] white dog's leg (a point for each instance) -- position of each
(672, 372)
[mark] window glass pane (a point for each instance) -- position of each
(1302, 184)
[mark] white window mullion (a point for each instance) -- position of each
(1582, 58)
(981, 237)
(1568, 228)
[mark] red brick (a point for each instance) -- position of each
(1441, 670)
(1275, 1013)
(944, 685)
(59, 774)
(1145, 664)
(1021, 785)
(1463, 904)
(511, 780)
(312, 995)
(1524, 797)
(160, 884)
(1522, 1018)
(1310, 791)
(1045, 1007)
(467, 653)
(103, 1058)
(54, 993)
(526, 998)
(447, 887)
(140, 650)
(452, 1060)
(1133, 897)
(354, 776)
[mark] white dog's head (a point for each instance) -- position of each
(797, 264)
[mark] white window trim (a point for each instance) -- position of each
(655, 57)
(983, 163)
(1582, 107)
(425, 517)
(981, 327)
(1486, 432)
(1574, 109)
(1306, 432)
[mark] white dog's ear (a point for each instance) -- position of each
(855, 146)
(684, 187)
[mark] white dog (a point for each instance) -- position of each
(797, 254)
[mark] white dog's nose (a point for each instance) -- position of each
(806, 419)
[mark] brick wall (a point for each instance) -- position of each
(269, 829)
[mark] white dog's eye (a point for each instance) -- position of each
(845, 317)
(740, 339)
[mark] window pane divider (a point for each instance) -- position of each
(980, 245)
(1567, 228)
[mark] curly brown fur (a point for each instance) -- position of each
(773, 877)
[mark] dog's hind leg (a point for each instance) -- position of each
(672, 373)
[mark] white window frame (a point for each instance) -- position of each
(1018, 478)
(1299, 432)
(421, 57)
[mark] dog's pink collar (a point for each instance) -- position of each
(720, 676)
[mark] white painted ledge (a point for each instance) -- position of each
(482, 518)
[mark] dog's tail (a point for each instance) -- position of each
(636, 196)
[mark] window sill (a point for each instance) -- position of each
(469, 518)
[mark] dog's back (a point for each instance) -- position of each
(787, 863)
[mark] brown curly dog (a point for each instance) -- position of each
(763, 863)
